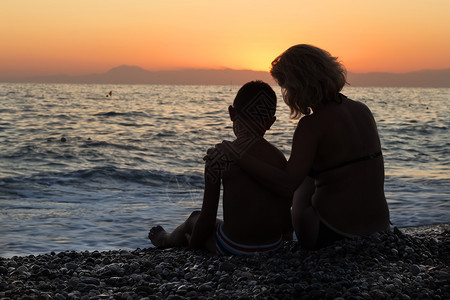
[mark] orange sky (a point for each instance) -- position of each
(84, 36)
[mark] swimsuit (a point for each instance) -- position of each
(327, 233)
(327, 236)
(313, 173)
(225, 246)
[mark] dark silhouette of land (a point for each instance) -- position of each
(425, 78)
(138, 75)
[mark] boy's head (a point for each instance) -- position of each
(254, 107)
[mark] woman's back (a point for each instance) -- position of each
(348, 169)
(347, 131)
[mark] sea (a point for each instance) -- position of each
(82, 169)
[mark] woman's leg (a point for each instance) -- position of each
(305, 220)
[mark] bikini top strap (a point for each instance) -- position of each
(313, 173)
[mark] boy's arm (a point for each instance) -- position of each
(205, 224)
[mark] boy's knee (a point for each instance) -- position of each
(195, 213)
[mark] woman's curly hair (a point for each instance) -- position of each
(309, 77)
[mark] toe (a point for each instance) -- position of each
(152, 232)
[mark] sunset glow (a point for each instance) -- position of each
(87, 36)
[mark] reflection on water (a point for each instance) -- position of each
(135, 159)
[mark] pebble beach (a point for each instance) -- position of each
(407, 263)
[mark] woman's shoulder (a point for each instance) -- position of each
(334, 114)
(310, 121)
(319, 115)
(357, 104)
(347, 108)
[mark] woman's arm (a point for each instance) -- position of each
(283, 181)
(278, 180)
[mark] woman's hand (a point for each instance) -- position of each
(216, 162)
(222, 149)
(225, 151)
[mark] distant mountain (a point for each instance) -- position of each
(138, 75)
(426, 78)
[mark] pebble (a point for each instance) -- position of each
(204, 287)
(415, 270)
(71, 266)
(404, 264)
(226, 267)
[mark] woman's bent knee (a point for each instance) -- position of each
(306, 225)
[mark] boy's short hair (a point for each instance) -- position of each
(256, 101)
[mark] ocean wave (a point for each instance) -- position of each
(115, 114)
(152, 178)
(166, 133)
(100, 144)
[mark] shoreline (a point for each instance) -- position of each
(407, 263)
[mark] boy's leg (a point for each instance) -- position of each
(305, 220)
(177, 238)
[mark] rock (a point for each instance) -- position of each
(71, 266)
(385, 265)
(181, 290)
(247, 275)
(191, 294)
(90, 280)
(21, 269)
(126, 254)
(206, 287)
(353, 290)
(226, 267)
(443, 275)
(414, 269)
(3, 270)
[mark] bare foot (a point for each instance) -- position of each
(158, 236)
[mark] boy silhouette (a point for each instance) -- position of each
(255, 219)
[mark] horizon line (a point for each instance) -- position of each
(205, 69)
